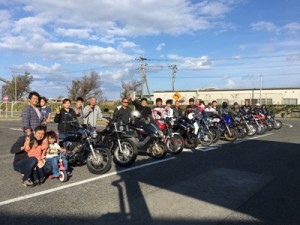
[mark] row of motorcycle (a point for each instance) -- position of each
(122, 143)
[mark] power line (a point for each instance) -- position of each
(199, 77)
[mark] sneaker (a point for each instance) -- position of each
(55, 175)
(28, 183)
(42, 180)
(36, 182)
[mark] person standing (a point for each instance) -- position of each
(168, 111)
(46, 111)
(145, 111)
(78, 110)
(177, 111)
(64, 117)
(158, 110)
(191, 108)
(31, 114)
(92, 112)
(122, 112)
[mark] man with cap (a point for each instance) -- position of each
(191, 108)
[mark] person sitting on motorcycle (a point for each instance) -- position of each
(158, 110)
(191, 108)
(145, 111)
(168, 111)
(246, 108)
(264, 110)
(257, 110)
(236, 107)
(226, 110)
(122, 112)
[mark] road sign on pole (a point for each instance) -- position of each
(5, 98)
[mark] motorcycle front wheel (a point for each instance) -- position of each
(175, 144)
(277, 124)
(158, 150)
(127, 156)
(101, 163)
(191, 141)
(232, 135)
(206, 139)
(251, 130)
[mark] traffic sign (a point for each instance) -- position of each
(5, 98)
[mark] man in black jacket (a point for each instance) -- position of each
(22, 163)
(122, 112)
(191, 108)
(142, 108)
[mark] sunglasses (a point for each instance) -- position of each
(125, 102)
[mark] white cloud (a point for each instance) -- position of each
(292, 27)
(128, 44)
(77, 33)
(190, 62)
(160, 46)
(263, 25)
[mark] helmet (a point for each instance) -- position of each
(135, 115)
(191, 116)
(224, 105)
(258, 104)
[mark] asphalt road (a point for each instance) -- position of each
(252, 181)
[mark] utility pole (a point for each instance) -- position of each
(15, 77)
(174, 70)
(143, 76)
(260, 89)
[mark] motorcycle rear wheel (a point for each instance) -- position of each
(102, 163)
(128, 156)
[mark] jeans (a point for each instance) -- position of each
(26, 167)
(38, 174)
(54, 162)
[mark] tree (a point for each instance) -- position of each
(22, 86)
(88, 86)
(129, 87)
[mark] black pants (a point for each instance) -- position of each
(26, 167)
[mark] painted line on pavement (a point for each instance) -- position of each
(21, 198)
(248, 139)
(18, 129)
(288, 124)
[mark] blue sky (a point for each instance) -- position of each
(215, 43)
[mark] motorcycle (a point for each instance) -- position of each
(228, 129)
(173, 140)
(185, 128)
(149, 138)
(204, 136)
(84, 150)
(277, 124)
(121, 142)
(260, 129)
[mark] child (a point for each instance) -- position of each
(35, 150)
(55, 153)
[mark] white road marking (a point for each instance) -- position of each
(18, 129)
(287, 124)
(259, 136)
(21, 198)
(187, 150)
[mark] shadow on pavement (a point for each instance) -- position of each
(254, 182)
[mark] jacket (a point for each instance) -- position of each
(30, 118)
(64, 120)
(92, 116)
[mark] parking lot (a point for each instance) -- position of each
(252, 181)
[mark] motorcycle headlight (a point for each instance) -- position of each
(160, 133)
(94, 134)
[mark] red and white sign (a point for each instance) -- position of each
(5, 98)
